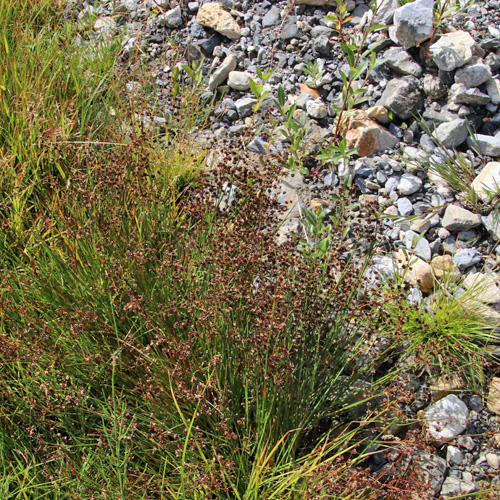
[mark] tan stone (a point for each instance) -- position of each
(443, 267)
(367, 135)
(445, 385)
(484, 287)
(305, 89)
(317, 204)
(420, 225)
(418, 273)
(493, 399)
(214, 16)
(493, 460)
(368, 199)
(378, 113)
(487, 181)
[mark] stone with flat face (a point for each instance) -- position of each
(473, 75)
(403, 97)
(368, 136)
(493, 400)
(212, 15)
(484, 287)
(452, 50)
(413, 23)
(220, 75)
(452, 134)
(485, 144)
(459, 219)
(493, 90)
(487, 183)
(447, 418)
(318, 3)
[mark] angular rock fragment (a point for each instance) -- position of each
(493, 399)
(318, 3)
(493, 90)
(409, 184)
(212, 15)
(367, 135)
(447, 418)
(452, 134)
(485, 144)
(413, 23)
(399, 60)
(272, 17)
(403, 97)
(487, 183)
(385, 11)
(452, 50)
(485, 287)
(453, 487)
(473, 75)
(459, 219)
(220, 75)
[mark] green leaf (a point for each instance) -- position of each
(349, 54)
(344, 77)
(281, 95)
(376, 27)
(256, 88)
(285, 133)
(323, 245)
(291, 111)
(264, 95)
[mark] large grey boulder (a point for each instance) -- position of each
(413, 23)
(473, 75)
(400, 61)
(452, 50)
(452, 134)
(403, 97)
(459, 219)
(485, 144)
